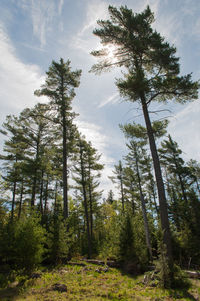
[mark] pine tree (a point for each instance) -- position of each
(59, 88)
(152, 75)
(87, 172)
(119, 179)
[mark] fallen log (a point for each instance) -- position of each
(110, 263)
(192, 274)
(82, 264)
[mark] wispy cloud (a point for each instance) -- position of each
(60, 6)
(33, 47)
(101, 142)
(96, 10)
(110, 100)
(84, 39)
(185, 129)
(23, 78)
(42, 14)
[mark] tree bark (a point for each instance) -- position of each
(85, 204)
(13, 200)
(41, 193)
(65, 179)
(159, 181)
(144, 212)
(21, 197)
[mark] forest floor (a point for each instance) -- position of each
(90, 282)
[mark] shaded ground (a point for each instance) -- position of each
(91, 282)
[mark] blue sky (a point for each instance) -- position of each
(35, 32)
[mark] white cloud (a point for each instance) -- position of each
(185, 130)
(96, 10)
(42, 14)
(101, 142)
(84, 39)
(17, 80)
(60, 6)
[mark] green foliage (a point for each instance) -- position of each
(164, 278)
(22, 243)
(108, 232)
(127, 250)
(29, 243)
(58, 241)
(141, 249)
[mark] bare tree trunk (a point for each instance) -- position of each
(46, 196)
(91, 211)
(65, 180)
(83, 182)
(41, 193)
(144, 212)
(20, 200)
(160, 185)
(13, 200)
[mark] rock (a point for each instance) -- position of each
(63, 271)
(13, 284)
(36, 275)
(100, 270)
(59, 287)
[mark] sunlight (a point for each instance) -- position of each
(111, 53)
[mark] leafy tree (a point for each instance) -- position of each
(152, 75)
(59, 88)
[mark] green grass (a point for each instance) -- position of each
(85, 283)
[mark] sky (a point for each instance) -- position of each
(35, 32)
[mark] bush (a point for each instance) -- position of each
(59, 242)
(29, 243)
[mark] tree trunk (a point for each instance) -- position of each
(33, 190)
(122, 194)
(13, 200)
(21, 197)
(160, 185)
(83, 182)
(65, 180)
(91, 211)
(46, 196)
(144, 212)
(41, 193)
(180, 179)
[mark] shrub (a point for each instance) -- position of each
(29, 243)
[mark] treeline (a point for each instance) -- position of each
(45, 156)
(51, 204)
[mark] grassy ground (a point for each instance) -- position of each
(92, 283)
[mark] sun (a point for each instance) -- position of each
(111, 53)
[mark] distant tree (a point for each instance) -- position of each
(152, 75)
(194, 167)
(87, 172)
(119, 179)
(110, 197)
(171, 159)
(15, 150)
(59, 88)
